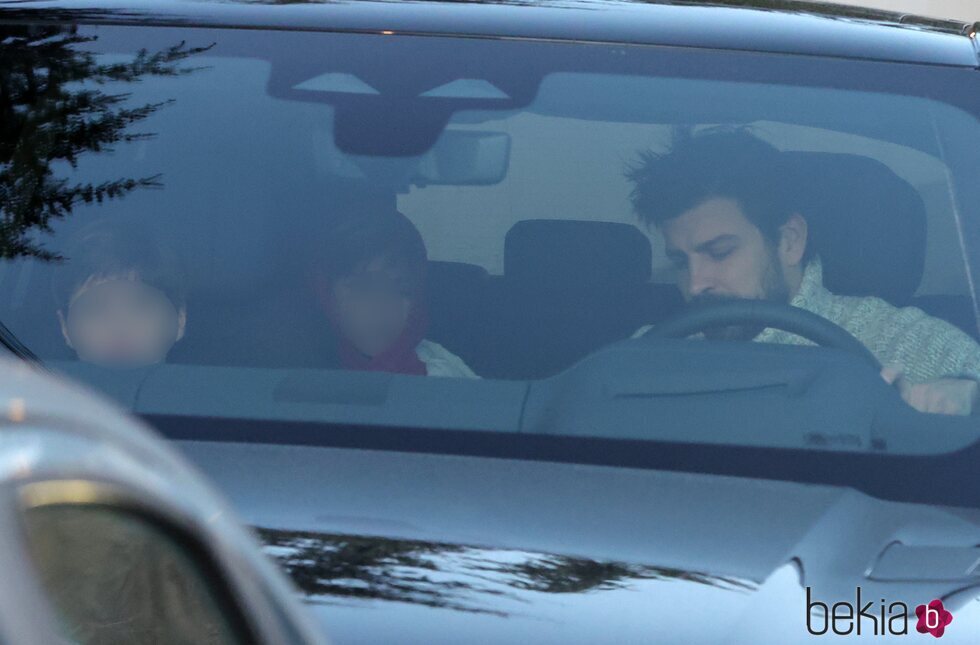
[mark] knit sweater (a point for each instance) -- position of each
(926, 348)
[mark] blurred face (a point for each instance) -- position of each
(721, 255)
(372, 307)
(121, 322)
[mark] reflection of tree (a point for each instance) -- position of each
(555, 574)
(358, 567)
(444, 575)
(50, 112)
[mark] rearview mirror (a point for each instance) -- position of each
(465, 157)
(458, 158)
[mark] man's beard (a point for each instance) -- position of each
(774, 289)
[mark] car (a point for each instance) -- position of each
(600, 482)
(109, 536)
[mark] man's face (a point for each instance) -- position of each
(720, 255)
(121, 322)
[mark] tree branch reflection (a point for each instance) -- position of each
(52, 109)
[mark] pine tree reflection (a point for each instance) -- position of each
(449, 576)
(52, 109)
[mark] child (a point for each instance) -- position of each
(369, 278)
(120, 297)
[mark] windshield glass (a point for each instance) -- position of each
(478, 235)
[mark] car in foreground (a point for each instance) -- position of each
(591, 486)
(109, 536)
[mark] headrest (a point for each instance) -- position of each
(867, 224)
(440, 273)
(580, 253)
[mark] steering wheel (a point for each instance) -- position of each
(759, 312)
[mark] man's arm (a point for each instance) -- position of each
(934, 365)
(958, 396)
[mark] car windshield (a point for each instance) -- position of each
(471, 235)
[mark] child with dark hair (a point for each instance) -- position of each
(370, 281)
(120, 297)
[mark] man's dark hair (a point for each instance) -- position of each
(727, 163)
(111, 249)
(354, 240)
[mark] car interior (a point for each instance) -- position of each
(567, 288)
(572, 270)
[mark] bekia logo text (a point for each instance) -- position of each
(880, 619)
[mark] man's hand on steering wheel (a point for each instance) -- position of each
(940, 396)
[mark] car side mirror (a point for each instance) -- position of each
(114, 575)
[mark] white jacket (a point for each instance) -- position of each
(439, 361)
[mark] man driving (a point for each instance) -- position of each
(732, 232)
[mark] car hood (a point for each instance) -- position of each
(401, 547)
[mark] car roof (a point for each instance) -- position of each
(783, 26)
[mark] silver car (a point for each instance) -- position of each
(108, 536)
